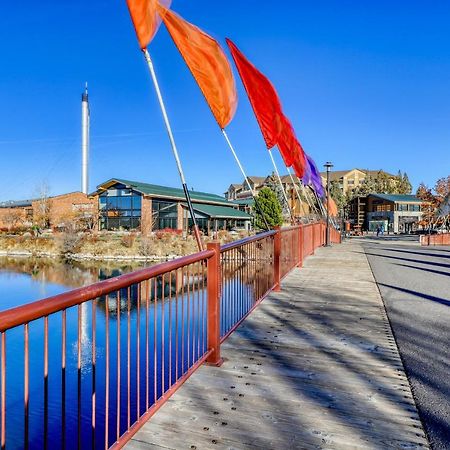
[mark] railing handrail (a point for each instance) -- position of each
(292, 227)
(23, 314)
(247, 240)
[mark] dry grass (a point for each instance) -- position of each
(132, 245)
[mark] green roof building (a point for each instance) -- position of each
(133, 205)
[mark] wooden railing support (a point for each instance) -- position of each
(213, 280)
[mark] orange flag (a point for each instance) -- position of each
(333, 207)
(145, 17)
(208, 65)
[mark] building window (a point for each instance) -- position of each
(120, 209)
(164, 215)
(202, 223)
(381, 207)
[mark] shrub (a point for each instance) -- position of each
(160, 234)
(69, 242)
(128, 240)
(146, 247)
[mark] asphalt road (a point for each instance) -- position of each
(414, 282)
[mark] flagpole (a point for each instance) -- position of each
(322, 208)
(306, 197)
(225, 135)
(310, 201)
(295, 186)
(281, 184)
(174, 147)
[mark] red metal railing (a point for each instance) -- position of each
(335, 236)
(115, 351)
(435, 239)
(247, 268)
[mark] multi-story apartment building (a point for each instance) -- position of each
(349, 180)
(239, 193)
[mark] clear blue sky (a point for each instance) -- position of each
(366, 84)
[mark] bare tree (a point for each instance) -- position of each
(12, 218)
(43, 205)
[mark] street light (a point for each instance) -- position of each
(328, 165)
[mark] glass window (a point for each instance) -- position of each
(124, 202)
(120, 209)
(164, 214)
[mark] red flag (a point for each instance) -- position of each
(146, 19)
(207, 63)
(299, 164)
(262, 95)
(290, 148)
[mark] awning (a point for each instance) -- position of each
(219, 212)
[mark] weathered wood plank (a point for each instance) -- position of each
(315, 366)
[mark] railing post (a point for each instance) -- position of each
(277, 259)
(301, 236)
(313, 237)
(213, 280)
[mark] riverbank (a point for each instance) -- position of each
(159, 246)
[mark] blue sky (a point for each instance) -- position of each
(366, 84)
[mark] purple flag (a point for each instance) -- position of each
(315, 178)
(306, 179)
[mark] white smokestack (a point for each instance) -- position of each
(85, 141)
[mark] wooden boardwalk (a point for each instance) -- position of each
(314, 367)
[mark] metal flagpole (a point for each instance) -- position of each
(311, 207)
(174, 147)
(281, 184)
(295, 185)
(245, 176)
(318, 211)
(321, 207)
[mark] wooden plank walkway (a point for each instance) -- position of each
(314, 367)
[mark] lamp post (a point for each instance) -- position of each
(328, 165)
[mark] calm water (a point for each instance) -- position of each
(24, 280)
(166, 325)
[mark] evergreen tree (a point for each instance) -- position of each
(337, 195)
(274, 185)
(399, 182)
(406, 187)
(268, 207)
(368, 186)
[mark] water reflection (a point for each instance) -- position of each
(29, 279)
(145, 338)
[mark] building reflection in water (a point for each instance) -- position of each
(168, 309)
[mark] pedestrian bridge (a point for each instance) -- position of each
(314, 366)
(122, 362)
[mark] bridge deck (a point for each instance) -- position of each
(315, 366)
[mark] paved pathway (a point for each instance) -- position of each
(415, 284)
(314, 367)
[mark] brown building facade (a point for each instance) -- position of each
(50, 212)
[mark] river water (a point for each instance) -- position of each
(137, 341)
(24, 280)
(151, 332)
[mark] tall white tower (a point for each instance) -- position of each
(85, 141)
